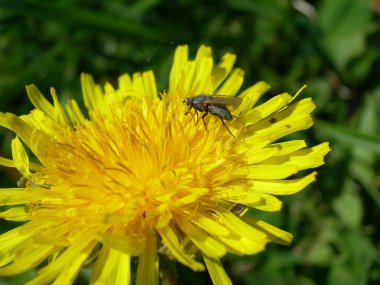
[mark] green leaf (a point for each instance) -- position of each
(339, 17)
(357, 257)
(349, 136)
(348, 206)
(82, 17)
(363, 162)
(344, 26)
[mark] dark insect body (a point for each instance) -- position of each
(213, 104)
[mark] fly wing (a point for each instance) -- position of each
(225, 100)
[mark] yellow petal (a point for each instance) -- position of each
(287, 147)
(180, 59)
(92, 93)
(13, 238)
(125, 84)
(170, 240)
(201, 239)
(216, 271)
(267, 171)
(7, 162)
(298, 92)
(232, 243)
(14, 123)
(292, 119)
(264, 110)
(238, 226)
(210, 225)
(112, 267)
(250, 96)
(59, 114)
(138, 85)
(147, 271)
(260, 201)
(194, 195)
(283, 187)
(30, 259)
(202, 53)
(304, 158)
(150, 84)
(267, 203)
(129, 244)
(74, 112)
(52, 270)
(255, 156)
(222, 70)
(233, 83)
(70, 272)
(20, 158)
(39, 100)
(16, 214)
(122, 274)
(253, 246)
(251, 149)
(203, 68)
(41, 123)
(144, 85)
(17, 196)
(108, 88)
(275, 234)
(186, 82)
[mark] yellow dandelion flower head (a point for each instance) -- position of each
(147, 173)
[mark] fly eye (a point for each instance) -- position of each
(186, 102)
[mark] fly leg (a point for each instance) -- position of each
(192, 115)
(226, 127)
(203, 119)
(196, 113)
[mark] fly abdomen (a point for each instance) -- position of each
(221, 111)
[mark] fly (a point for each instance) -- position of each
(213, 104)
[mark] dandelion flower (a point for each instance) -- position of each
(136, 177)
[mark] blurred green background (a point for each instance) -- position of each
(331, 45)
